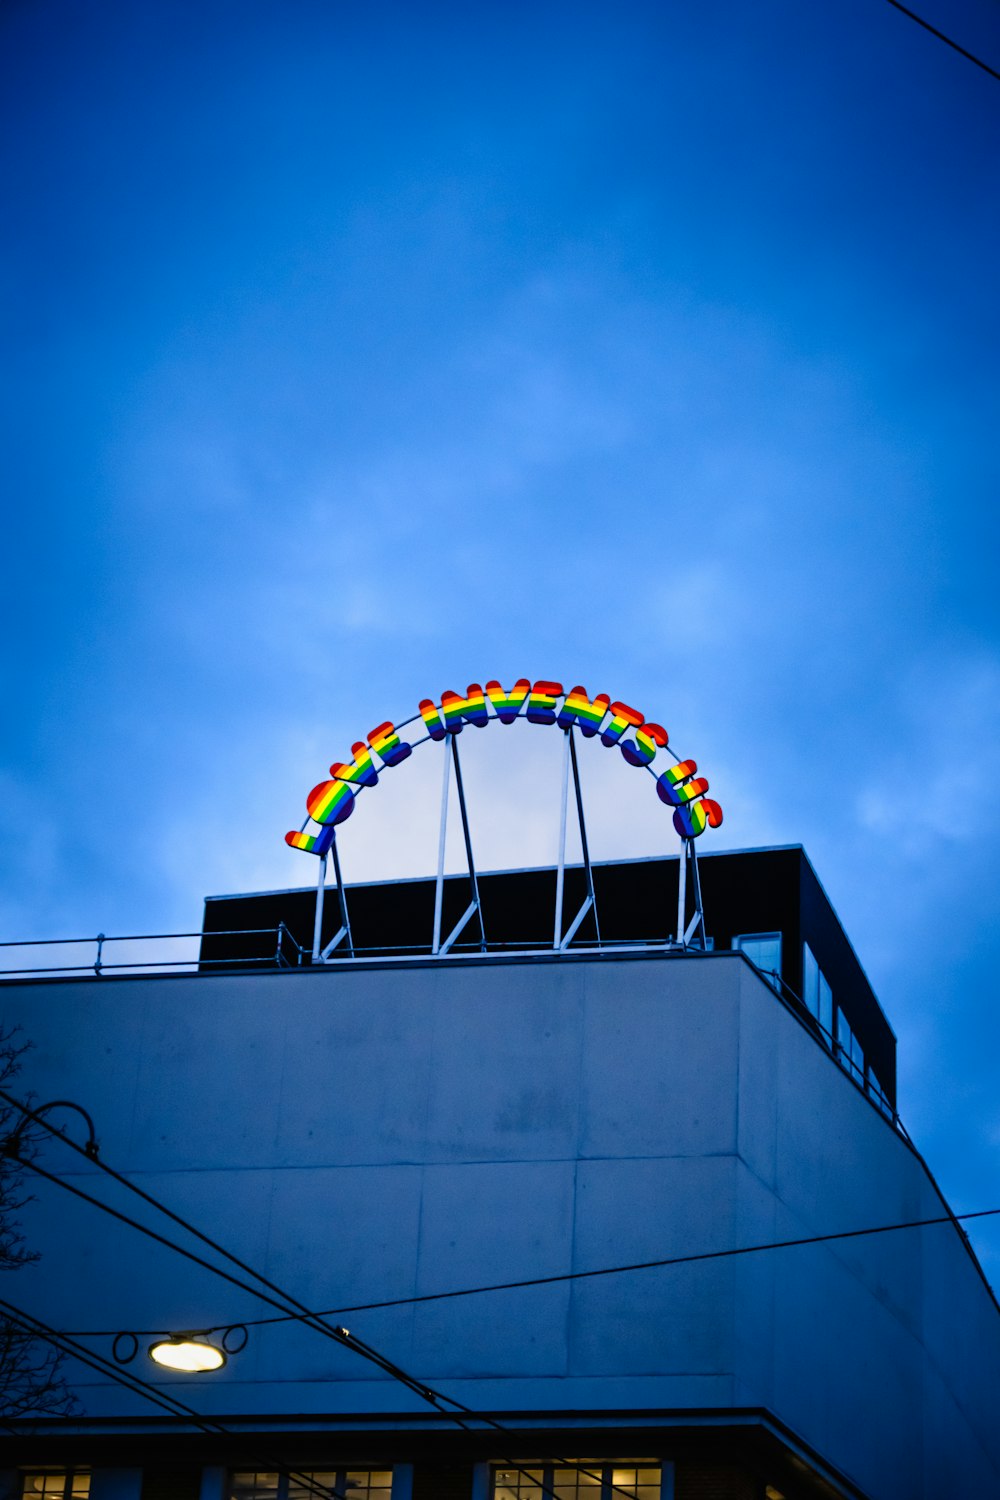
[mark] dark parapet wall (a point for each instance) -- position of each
(636, 903)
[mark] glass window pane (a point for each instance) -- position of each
(254, 1485)
(764, 949)
(305, 1484)
(810, 980)
(825, 1006)
(650, 1476)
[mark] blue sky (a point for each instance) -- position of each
(360, 352)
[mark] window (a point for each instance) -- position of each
(878, 1093)
(849, 1053)
(764, 949)
(350, 1484)
(57, 1484)
(826, 1009)
(817, 993)
(625, 1479)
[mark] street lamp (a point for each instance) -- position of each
(188, 1355)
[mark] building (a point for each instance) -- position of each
(391, 1125)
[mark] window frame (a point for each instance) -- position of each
(820, 1005)
(341, 1485)
(773, 977)
(69, 1475)
(849, 1051)
(605, 1491)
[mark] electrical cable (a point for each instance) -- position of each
(427, 1393)
(341, 1336)
(946, 39)
(66, 1345)
(305, 1314)
(509, 1286)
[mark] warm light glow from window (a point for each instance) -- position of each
(187, 1355)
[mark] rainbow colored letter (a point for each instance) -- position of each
(330, 803)
(578, 709)
(622, 718)
(471, 707)
(429, 714)
(507, 706)
(311, 843)
(362, 773)
(675, 789)
(387, 745)
(642, 750)
(692, 820)
(542, 702)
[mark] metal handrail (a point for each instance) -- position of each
(145, 937)
(275, 956)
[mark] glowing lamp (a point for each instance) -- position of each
(190, 1356)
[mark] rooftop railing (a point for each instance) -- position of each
(178, 952)
(254, 948)
(268, 948)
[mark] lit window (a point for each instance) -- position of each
(763, 949)
(57, 1484)
(625, 1479)
(298, 1484)
(817, 993)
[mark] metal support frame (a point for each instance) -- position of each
(561, 940)
(690, 932)
(343, 934)
(439, 948)
(686, 930)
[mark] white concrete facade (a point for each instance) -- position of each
(379, 1132)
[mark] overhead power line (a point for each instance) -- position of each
(67, 1345)
(946, 39)
(303, 1314)
(640, 1265)
(461, 1414)
(511, 1286)
(427, 1393)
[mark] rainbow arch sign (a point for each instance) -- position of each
(618, 725)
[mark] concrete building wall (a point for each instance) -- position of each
(367, 1134)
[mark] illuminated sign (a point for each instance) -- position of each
(618, 725)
